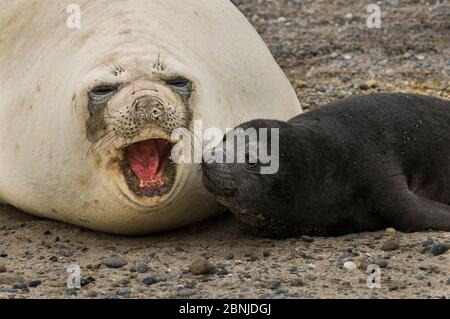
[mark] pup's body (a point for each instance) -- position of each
(360, 164)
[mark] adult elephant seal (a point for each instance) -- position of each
(361, 164)
(87, 113)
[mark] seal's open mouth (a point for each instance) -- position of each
(147, 167)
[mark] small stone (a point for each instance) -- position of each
(10, 278)
(439, 249)
(297, 282)
(372, 84)
(3, 268)
(230, 256)
(114, 262)
(201, 266)
(390, 232)
(307, 239)
(350, 265)
(142, 269)
(377, 237)
(363, 86)
(391, 245)
(363, 265)
(300, 84)
(381, 262)
(186, 292)
(154, 280)
(54, 259)
(428, 242)
(35, 283)
(87, 281)
(123, 291)
(22, 286)
(293, 270)
(275, 285)
(222, 272)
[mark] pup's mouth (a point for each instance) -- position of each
(147, 167)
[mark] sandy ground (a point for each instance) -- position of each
(328, 53)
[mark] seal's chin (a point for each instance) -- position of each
(147, 168)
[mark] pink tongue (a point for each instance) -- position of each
(144, 159)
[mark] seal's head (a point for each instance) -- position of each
(253, 180)
(130, 124)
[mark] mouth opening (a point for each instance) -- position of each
(147, 167)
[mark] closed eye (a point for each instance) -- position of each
(182, 86)
(178, 82)
(103, 90)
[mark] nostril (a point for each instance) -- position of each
(156, 113)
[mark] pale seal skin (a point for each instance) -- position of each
(87, 113)
(360, 164)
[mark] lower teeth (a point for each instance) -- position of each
(153, 183)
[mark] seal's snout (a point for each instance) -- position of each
(218, 179)
(149, 109)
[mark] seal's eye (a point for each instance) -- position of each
(251, 162)
(103, 90)
(178, 82)
(182, 86)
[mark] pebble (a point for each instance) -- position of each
(123, 291)
(297, 282)
(439, 249)
(142, 269)
(201, 266)
(186, 292)
(350, 265)
(307, 239)
(275, 285)
(9, 290)
(3, 268)
(230, 256)
(391, 245)
(428, 242)
(154, 280)
(87, 281)
(222, 272)
(390, 232)
(35, 283)
(383, 263)
(10, 278)
(114, 262)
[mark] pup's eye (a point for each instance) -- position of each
(178, 82)
(251, 162)
(103, 90)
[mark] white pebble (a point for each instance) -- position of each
(350, 265)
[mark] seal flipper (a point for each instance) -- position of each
(410, 212)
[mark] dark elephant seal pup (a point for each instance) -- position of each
(360, 164)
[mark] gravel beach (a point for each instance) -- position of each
(328, 53)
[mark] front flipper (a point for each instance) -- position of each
(410, 212)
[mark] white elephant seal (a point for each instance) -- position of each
(87, 112)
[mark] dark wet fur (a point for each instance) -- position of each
(360, 164)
